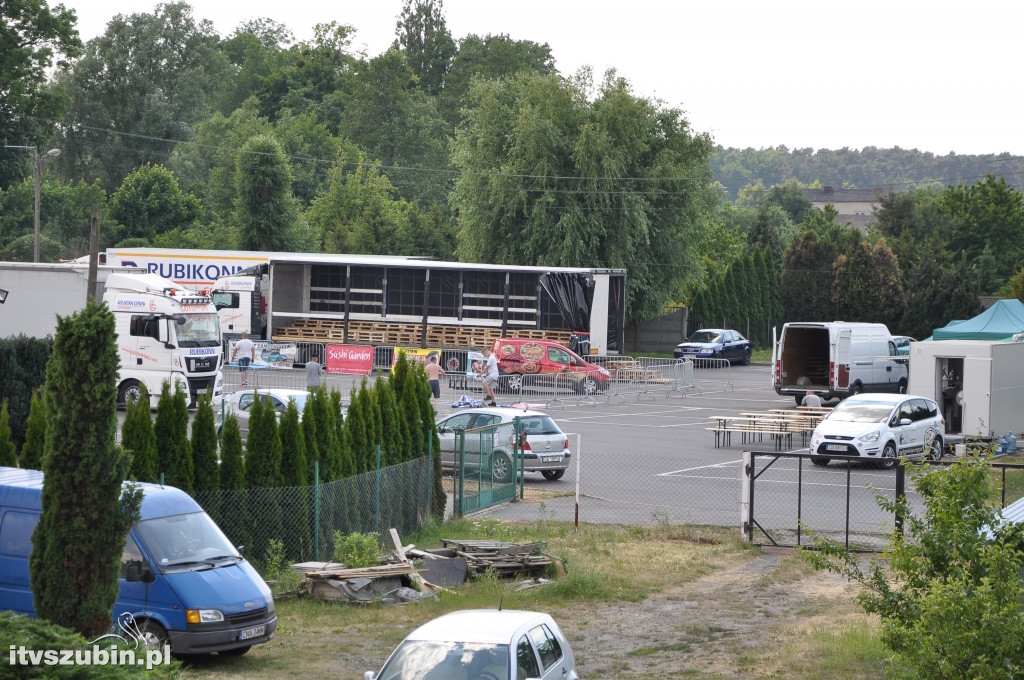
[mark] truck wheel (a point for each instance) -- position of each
(856, 389)
(153, 635)
(129, 389)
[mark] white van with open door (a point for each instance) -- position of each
(836, 359)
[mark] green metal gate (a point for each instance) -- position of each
(487, 461)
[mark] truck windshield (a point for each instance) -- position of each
(199, 330)
(185, 541)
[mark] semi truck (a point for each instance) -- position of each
(165, 332)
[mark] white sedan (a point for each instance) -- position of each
(240, 403)
(482, 644)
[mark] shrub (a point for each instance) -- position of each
(356, 550)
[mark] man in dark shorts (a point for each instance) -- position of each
(434, 373)
(247, 349)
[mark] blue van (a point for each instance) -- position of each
(182, 581)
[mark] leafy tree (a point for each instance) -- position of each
(85, 513)
(807, 269)
(266, 212)
(948, 591)
(988, 213)
(790, 197)
(1015, 287)
(257, 49)
(868, 285)
(549, 178)
(8, 454)
(33, 37)
(150, 202)
(149, 75)
(426, 42)
(35, 433)
(204, 447)
(139, 439)
(173, 450)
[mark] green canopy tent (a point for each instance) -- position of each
(998, 322)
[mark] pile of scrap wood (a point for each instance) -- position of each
(386, 582)
(504, 559)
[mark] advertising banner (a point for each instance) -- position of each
(268, 354)
(416, 354)
(355, 359)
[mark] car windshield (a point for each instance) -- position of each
(184, 541)
(429, 660)
(199, 330)
(706, 336)
(539, 425)
(861, 412)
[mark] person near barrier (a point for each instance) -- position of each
(313, 373)
(489, 373)
(247, 349)
(434, 373)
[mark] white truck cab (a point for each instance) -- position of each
(165, 333)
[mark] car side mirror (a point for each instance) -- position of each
(368, 675)
(138, 571)
(905, 421)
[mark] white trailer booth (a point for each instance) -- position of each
(979, 384)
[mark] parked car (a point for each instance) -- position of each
(901, 343)
(879, 428)
(482, 643)
(240, 403)
(546, 449)
(716, 343)
(547, 363)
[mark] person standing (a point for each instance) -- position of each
(247, 349)
(313, 372)
(489, 373)
(434, 373)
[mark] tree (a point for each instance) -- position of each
(139, 439)
(790, 197)
(948, 592)
(150, 202)
(327, 445)
(33, 37)
(22, 369)
(204, 447)
(8, 454)
(426, 42)
(988, 213)
(35, 433)
(263, 472)
(85, 513)
(265, 210)
(867, 285)
(295, 507)
(807, 269)
(231, 510)
(173, 450)
(549, 178)
(150, 77)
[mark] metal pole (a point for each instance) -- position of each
(576, 524)
(376, 517)
(35, 223)
(901, 475)
(316, 508)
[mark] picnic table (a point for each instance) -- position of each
(779, 424)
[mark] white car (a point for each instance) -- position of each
(239, 404)
(484, 644)
(879, 428)
(546, 449)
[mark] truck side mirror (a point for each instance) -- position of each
(138, 571)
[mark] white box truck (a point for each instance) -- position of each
(165, 332)
(836, 359)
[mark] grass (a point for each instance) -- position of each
(1014, 478)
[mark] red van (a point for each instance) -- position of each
(546, 360)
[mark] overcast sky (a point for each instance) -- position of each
(933, 75)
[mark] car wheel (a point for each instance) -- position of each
(820, 461)
(153, 636)
(746, 357)
(888, 461)
(552, 475)
(902, 386)
(130, 389)
(501, 467)
(588, 386)
(514, 383)
(933, 447)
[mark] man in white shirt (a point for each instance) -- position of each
(247, 349)
(489, 373)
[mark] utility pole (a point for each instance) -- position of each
(39, 172)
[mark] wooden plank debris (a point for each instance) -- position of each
(504, 559)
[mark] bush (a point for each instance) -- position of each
(356, 550)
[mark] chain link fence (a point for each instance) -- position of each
(304, 518)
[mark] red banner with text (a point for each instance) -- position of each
(349, 359)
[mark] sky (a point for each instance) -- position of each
(931, 75)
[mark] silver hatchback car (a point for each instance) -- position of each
(546, 449)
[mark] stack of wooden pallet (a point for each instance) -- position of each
(399, 334)
(504, 559)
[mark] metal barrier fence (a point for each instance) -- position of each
(304, 518)
(711, 372)
(784, 497)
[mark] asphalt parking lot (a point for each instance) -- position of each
(652, 460)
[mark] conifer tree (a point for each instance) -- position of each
(310, 439)
(8, 454)
(204, 447)
(79, 539)
(295, 505)
(390, 442)
(139, 439)
(263, 477)
(173, 450)
(35, 433)
(326, 436)
(231, 506)
(438, 497)
(346, 461)
(356, 432)
(293, 448)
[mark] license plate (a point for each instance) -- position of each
(551, 459)
(249, 633)
(201, 390)
(835, 447)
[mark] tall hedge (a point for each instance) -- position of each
(8, 456)
(22, 371)
(204, 447)
(231, 509)
(77, 544)
(174, 451)
(139, 439)
(295, 507)
(35, 433)
(263, 477)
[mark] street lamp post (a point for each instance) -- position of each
(39, 173)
